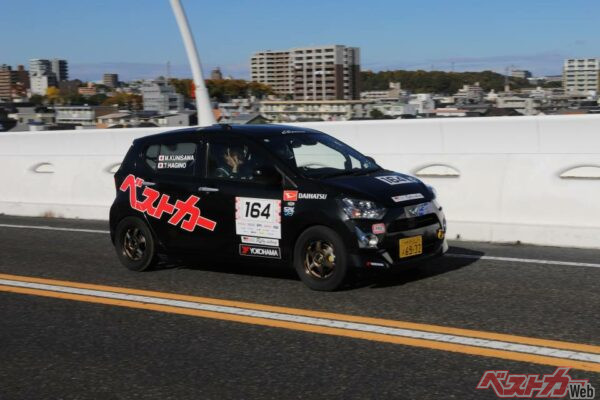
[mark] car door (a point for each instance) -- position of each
(249, 208)
(177, 216)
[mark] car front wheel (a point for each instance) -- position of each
(134, 244)
(320, 258)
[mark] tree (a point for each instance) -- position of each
(127, 100)
(96, 99)
(376, 114)
(552, 84)
(223, 89)
(182, 86)
(36, 99)
(52, 94)
(74, 99)
(437, 81)
(259, 90)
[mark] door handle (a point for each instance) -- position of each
(146, 183)
(207, 189)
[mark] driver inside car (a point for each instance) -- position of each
(233, 164)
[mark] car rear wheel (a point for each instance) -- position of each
(134, 244)
(320, 258)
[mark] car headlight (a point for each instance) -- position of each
(357, 209)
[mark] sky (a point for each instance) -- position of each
(136, 38)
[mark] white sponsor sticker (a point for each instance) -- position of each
(407, 197)
(260, 240)
(174, 161)
(259, 251)
(258, 217)
(394, 179)
(312, 196)
(172, 165)
(176, 157)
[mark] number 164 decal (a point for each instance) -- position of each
(258, 217)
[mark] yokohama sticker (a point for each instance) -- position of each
(259, 251)
(155, 204)
(395, 179)
(258, 217)
(259, 240)
(407, 197)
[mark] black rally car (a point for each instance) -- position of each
(270, 194)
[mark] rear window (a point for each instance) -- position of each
(171, 159)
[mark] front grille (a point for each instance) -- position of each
(406, 224)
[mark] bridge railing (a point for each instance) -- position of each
(529, 179)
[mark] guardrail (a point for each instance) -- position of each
(507, 179)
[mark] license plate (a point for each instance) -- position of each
(411, 246)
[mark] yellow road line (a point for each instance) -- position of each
(424, 343)
(322, 314)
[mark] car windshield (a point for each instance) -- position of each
(319, 155)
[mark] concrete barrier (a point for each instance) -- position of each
(505, 179)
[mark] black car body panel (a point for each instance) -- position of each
(166, 180)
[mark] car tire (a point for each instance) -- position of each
(135, 245)
(320, 258)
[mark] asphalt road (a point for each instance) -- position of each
(61, 349)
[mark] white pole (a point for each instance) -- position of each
(205, 114)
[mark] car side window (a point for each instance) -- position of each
(151, 156)
(234, 161)
(171, 158)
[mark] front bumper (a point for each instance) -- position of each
(431, 226)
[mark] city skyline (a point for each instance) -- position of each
(535, 35)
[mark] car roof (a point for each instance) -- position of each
(250, 130)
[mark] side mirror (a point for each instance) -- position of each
(267, 174)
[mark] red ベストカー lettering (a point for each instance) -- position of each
(156, 204)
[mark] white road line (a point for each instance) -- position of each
(524, 260)
(325, 322)
(53, 228)
(455, 255)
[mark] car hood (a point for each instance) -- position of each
(380, 187)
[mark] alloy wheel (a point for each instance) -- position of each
(319, 260)
(134, 244)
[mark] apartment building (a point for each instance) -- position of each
(275, 69)
(110, 80)
(216, 74)
(13, 83)
(393, 93)
(39, 67)
(60, 69)
(581, 75)
(84, 116)
(521, 73)
(315, 110)
(41, 76)
(469, 94)
(310, 73)
(7, 80)
(161, 97)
